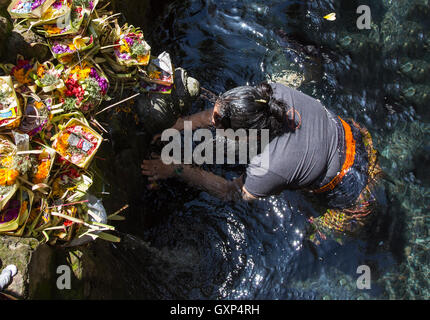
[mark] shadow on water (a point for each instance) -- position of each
(191, 245)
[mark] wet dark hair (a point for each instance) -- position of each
(254, 108)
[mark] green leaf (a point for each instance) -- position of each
(117, 218)
(109, 237)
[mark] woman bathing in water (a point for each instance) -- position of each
(310, 149)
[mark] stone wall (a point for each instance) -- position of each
(14, 41)
(18, 252)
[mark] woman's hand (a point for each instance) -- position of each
(155, 169)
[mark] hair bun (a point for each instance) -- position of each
(277, 110)
(265, 91)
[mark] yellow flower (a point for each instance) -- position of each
(52, 29)
(85, 73)
(48, 14)
(81, 73)
(7, 162)
(80, 42)
(124, 47)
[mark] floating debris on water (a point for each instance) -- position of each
(330, 16)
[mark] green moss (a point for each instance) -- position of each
(17, 251)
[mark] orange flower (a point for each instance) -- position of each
(42, 172)
(8, 177)
(62, 144)
(143, 59)
(38, 104)
(154, 74)
(21, 77)
(40, 71)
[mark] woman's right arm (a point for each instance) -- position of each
(201, 119)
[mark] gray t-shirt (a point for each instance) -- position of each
(297, 159)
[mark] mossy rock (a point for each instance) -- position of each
(159, 112)
(17, 251)
(26, 43)
(4, 3)
(136, 12)
(95, 271)
(6, 27)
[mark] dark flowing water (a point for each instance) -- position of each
(194, 246)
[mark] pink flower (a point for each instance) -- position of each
(57, 4)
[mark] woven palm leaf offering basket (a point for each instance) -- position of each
(15, 215)
(36, 116)
(59, 10)
(10, 106)
(158, 77)
(131, 48)
(48, 76)
(47, 140)
(77, 143)
(49, 134)
(124, 51)
(8, 174)
(29, 8)
(62, 49)
(73, 22)
(86, 86)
